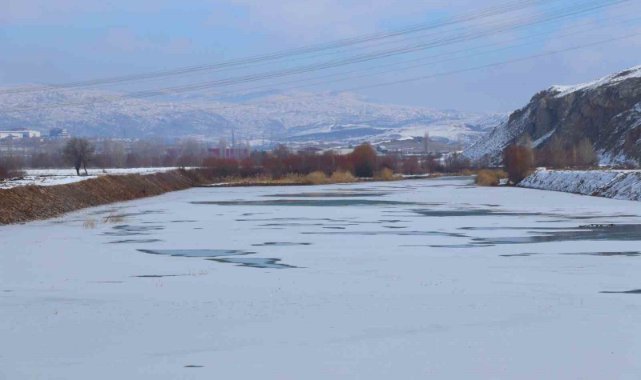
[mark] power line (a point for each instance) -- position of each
(396, 66)
(480, 67)
(496, 64)
(362, 58)
(486, 13)
(337, 63)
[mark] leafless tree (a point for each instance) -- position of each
(78, 152)
(585, 153)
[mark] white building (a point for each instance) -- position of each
(19, 134)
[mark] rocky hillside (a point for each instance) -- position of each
(607, 111)
(291, 117)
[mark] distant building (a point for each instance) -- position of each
(238, 152)
(19, 134)
(310, 150)
(58, 133)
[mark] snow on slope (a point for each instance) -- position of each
(617, 184)
(606, 111)
(297, 116)
(634, 72)
(498, 138)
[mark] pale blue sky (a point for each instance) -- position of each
(54, 41)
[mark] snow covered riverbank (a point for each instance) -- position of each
(617, 184)
(53, 177)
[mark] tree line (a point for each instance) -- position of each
(363, 162)
(521, 158)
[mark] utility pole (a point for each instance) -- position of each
(426, 143)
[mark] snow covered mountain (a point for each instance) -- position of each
(607, 111)
(295, 117)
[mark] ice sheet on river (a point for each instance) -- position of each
(417, 279)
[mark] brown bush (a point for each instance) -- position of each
(385, 174)
(221, 167)
(317, 178)
(341, 176)
(519, 162)
(489, 177)
(364, 160)
(467, 172)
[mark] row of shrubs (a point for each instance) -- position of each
(363, 162)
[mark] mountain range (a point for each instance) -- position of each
(300, 117)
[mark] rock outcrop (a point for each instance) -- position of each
(607, 111)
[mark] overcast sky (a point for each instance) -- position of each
(57, 41)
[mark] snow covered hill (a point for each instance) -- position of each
(301, 117)
(607, 111)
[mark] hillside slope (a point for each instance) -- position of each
(301, 117)
(607, 111)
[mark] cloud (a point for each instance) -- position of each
(319, 19)
(124, 39)
(55, 12)
(600, 59)
(44, 11)
(71, 39)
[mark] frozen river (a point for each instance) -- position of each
(400, 280)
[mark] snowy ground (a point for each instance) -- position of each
(51, 177)
(407, 280)
(617, 184)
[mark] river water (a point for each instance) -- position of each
(412, 279)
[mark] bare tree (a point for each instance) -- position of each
(554, 154)
(426, 143)
(525, 140)
(114, 154)
(455, 162)
(586, 155)
(78, 152)
(191, 152)
(10, 167)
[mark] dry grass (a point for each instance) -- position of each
(341, 176)
(385, 175)
(489, 177)
(113, 218)
(89, 224)
(314, 178)
(467, 172)
(317, 178)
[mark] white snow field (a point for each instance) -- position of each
(423, 279)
